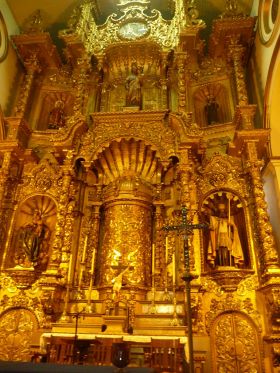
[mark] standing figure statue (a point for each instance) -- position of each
(133, 87)
(57, 116)
(224, 248)
(33, 242)
(211, 110)
(117, 284)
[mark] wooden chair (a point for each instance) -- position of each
(101, 351)
(166, 355)
(61, 350)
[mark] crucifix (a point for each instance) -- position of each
(186, 228)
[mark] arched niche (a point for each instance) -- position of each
(51, 102)
(225, 242)
(32, 234)
(220, 111)
(235, 344)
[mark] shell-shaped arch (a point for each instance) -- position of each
(128, 158)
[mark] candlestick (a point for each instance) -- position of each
(69, 269)
(173, 269)
(166, 250)
(92, 261)
(85, 249)
(153, 259)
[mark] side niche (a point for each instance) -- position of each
(55, 108)
(30, 247)
(225, 242)
(211, 105)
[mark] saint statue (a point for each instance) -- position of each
(211, 110)
(224, 248)
(133, 87)
(57, 116)
(33, 242)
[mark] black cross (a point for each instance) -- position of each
(186, 228)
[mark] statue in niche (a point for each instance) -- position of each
(33, 243)
(57, 116)
(211, 110)
(224, 247)
(133, 86)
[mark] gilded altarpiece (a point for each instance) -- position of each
(106, 149)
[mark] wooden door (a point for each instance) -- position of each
(235, 347)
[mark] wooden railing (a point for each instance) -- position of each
(163, 355)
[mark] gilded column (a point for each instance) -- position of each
(268, 255)
(32, 67)
(159, 246)
(4, 173)
(245, 112)
(164, 100)
(62, 241)
(181, 59)
(127, 234)
(185, 172)
(237, 53)
(82, 69)
(92, 232)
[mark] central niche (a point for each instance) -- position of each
(129, 169)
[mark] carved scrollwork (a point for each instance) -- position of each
(149, 126)
(228, 303)
(41, 178)
(221, 171)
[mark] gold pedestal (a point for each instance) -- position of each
(115, 324)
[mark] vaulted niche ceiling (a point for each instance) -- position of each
(128, 158)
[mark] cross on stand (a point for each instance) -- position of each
(186, 228)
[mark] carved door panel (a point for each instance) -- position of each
(16, 330)
(236, 347)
